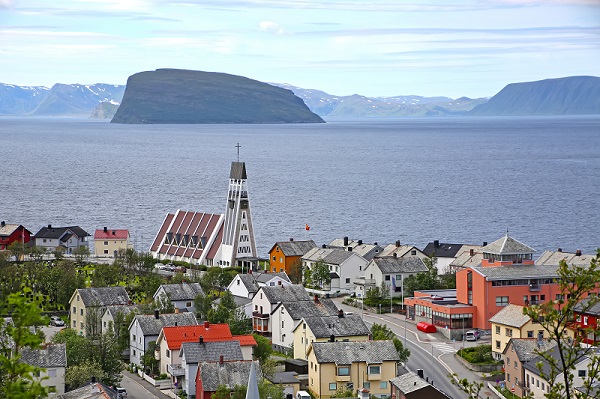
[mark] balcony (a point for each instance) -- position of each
(534, 287)
(258, 315)
(176, 370)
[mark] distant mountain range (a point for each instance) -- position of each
(563, 96)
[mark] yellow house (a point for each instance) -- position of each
(334, 366)
(341, 327)
(87, 305)
(108, 242)
(509, 323)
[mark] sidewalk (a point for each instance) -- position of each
(146, 385)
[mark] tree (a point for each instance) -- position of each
(81, 254)
(163, 304)
(574, 284)
(80, 374)
(202, 304)
(59, 253)
(106, 275)
(93, 321)
(343, 392)
(79, 350)
(263, 348)
(269, 390)
(296, 272)
(108, 356)
(222, 392)
(227, 312)
(383, 332)
(320, 274)
(149, 361)
(17, 249)
(471, 388)
(17, 377)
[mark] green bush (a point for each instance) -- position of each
(481, 354)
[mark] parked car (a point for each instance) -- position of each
(121, 392)
(180, 269)
(472, 335)
(56, 321)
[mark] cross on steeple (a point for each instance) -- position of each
(238, 151)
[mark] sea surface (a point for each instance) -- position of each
(457, 180)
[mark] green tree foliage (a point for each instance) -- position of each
(107, 275)
(17, 249)
(295, 274)
(17, 377)
(59, 253)
(79, 350)
(376, 296)
(383, 332)
(79, 375)
(81, 254)
(269, 390)
(319, 275)
(428, 280)
(227, 312)
(471, 388)
(202, 305)
(122, 329)
(574, 284)
(343, 393)
(109, 358)
(163, 304)
(93, 321)
(149, 359)
(263, 348)
(216, 279)
(59, 280)
(239, 392)
(222, 392)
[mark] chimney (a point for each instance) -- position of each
(156, 314)
(395, 255)
(375, 243)
(3, 223)
(206, 325)
(201, 339)
(175, 324)
(559, 249)
(49, 226)
(105, 229)
(324, 246)
(345, 241)
(341, 314)
(221, 360)
(291, 239)
(436, 243)
(114, 232)
(484, 243)
(471, 252)
(332, 338)
(578, 252)
(359, 242)
(397, 243)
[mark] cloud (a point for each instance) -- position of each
(271, 27)
(6, 4)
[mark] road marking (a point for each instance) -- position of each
(445, 348)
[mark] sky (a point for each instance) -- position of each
(369, 47)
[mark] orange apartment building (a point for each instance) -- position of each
(506, 274)
(284, 253)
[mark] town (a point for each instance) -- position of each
(203, 315)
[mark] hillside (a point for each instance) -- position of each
(105, 110)
(77, 99)
(357, 106)
(184, 96)
(564, 96)
(20, 100)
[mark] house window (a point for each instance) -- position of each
(581, 373)
(374, 370)
(238, 282)
(383, 385)
(81, 311)
(274, 258)
(508, 332)
(304, 326)
(74, 310)
(280, 259)
(387, 278)
(347, 281)
(497, 344)
(542, 297)
(529, 334)
(104, 323)
(332, 386)
(516, 365)
(52, 373)
(106, 251)
(508, 377)
(282, 323)
(134, 353)
(344, 370)
(133, 337)
(105, 242)
(367, 385)
(74, 324)
(501, 300)
(167, 353)
(188, 304)
(413, 252)
(585, 320)
(497, 329)
(81, 325)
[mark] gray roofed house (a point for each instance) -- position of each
(388, 271)
(69, 238)
(371, 352)
(300, 309)
(410, 385)
(511, 315)
(282, 293)
(193, 353)
(400, 251)
(230, 374)
(345, 264)
(92, 302)
(181, 295)
(555, 257)
(53, 359)
(92, 390)
(349, 325)
(528, 348)
(334, 256)
(103, 296)
(296, 248)
(393, 265)
(367, 251)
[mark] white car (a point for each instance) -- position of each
(56, 321)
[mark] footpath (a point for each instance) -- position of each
(152, 391)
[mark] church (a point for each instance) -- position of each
(210, 239)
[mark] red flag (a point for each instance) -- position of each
(307, 227)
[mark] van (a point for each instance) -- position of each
(302, 395)
(472, 335)
(121, 392)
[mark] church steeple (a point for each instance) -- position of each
(238, 246)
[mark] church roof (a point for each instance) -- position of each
(507, 246)
(238, 171)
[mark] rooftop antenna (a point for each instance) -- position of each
(238, 151)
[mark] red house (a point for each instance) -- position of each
(10, 233)
(586, 322)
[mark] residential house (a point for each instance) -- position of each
(286, 380)
(343, 265)
(116, 313)
(510, 323)
(554, 258)
(286, 315)
(88, 305)
(389, 272)
(401, 251)
(445, 253)
(231, 374)
(181, 295)
(68, 238)
(411, 386)
(267, 298)
(324, 328)
(147, 327)
(170, 339)
(10, 233)
(284, 254)
(247, 285)
(353, 365)
(108, 242)
(464, 259)
(517, 353)
(537, 381)
(367, 251)
(586, 323)
(53, 359)
(194, 353)
(92, 390)
(243, 305)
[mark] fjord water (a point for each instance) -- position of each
(458, 180)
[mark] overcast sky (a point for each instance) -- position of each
(370, 47)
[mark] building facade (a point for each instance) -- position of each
(108, 242)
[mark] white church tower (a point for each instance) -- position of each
(238, 247)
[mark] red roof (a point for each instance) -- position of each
(175, 336)
(245, 340)
(111, 234)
